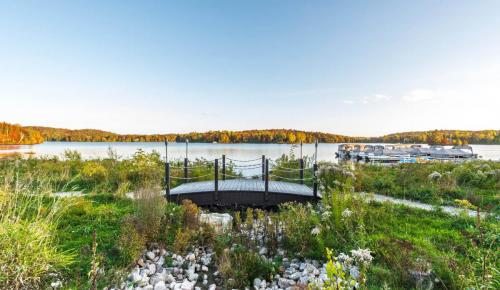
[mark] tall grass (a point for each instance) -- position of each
(29, 255)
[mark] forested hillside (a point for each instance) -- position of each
(16, 134)
(443, 137)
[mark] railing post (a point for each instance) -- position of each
(263, 167)
(216, 179)
(185, 169)
(167, 181)
(315, 180)
(266, 182)
(223, 167)
(301, 172)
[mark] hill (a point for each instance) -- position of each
(16, 134)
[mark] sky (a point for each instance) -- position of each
(363, 68)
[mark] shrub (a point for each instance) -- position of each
(182, 241)
(240, 266)
(150, 210)
(94, 171)
(130, 243)
(299, 225)
(191, 212)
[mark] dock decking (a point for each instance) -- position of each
(242, 192)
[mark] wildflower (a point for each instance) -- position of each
(315, 231)
(325, 215)
(346, 213)
(354, 272)
(434, 175)
(362, 256)
(345, 259)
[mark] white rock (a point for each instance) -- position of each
(212, 287)
(220, 222)
(187, 285)
(152, 269)
(256, 282)
(204, 268)
(160, 286)
(150, 255)
(134, 277)
(263, 251)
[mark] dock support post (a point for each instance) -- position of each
(301, 171)
(266, 182)
(167, 181)
(223, 167)
(216, 180)
(185, 170)
(315, 180)
(263, 167)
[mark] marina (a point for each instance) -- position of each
(404, 153)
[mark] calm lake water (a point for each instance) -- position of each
(326, 152)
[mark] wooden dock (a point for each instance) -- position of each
(242, 192)
(226, 189)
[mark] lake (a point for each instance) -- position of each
(326, 152)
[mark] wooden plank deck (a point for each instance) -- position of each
(244, 192)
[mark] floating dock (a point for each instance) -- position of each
(403, 153)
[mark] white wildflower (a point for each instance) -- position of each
(354, 272)
(434, 175)
(346, 213)
(315, 231)
(362, 256)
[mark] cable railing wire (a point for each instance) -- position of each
(249, 160)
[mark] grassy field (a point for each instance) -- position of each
(98, 236)
(436, 183)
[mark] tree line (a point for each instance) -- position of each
(16, 134)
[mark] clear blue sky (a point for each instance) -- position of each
(349, 67)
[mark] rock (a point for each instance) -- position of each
(155, 279)
(263, 251)
(144, 281)
(140, 262)
(160, 286)
(186, 285)
(134, 277)
(294, 276)
(256, 283)
(212, 287)
(150, 255)
(204, 268)
(285, 283)
(169, 278)
(152, 269)
(163, 252)
(160, 262)
(148, 287)
(221, 222)
(303, 280)
(193, 277)
(263, 284)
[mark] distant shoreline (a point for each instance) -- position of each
(31, 135)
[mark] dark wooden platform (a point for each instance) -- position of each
(242, 192)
